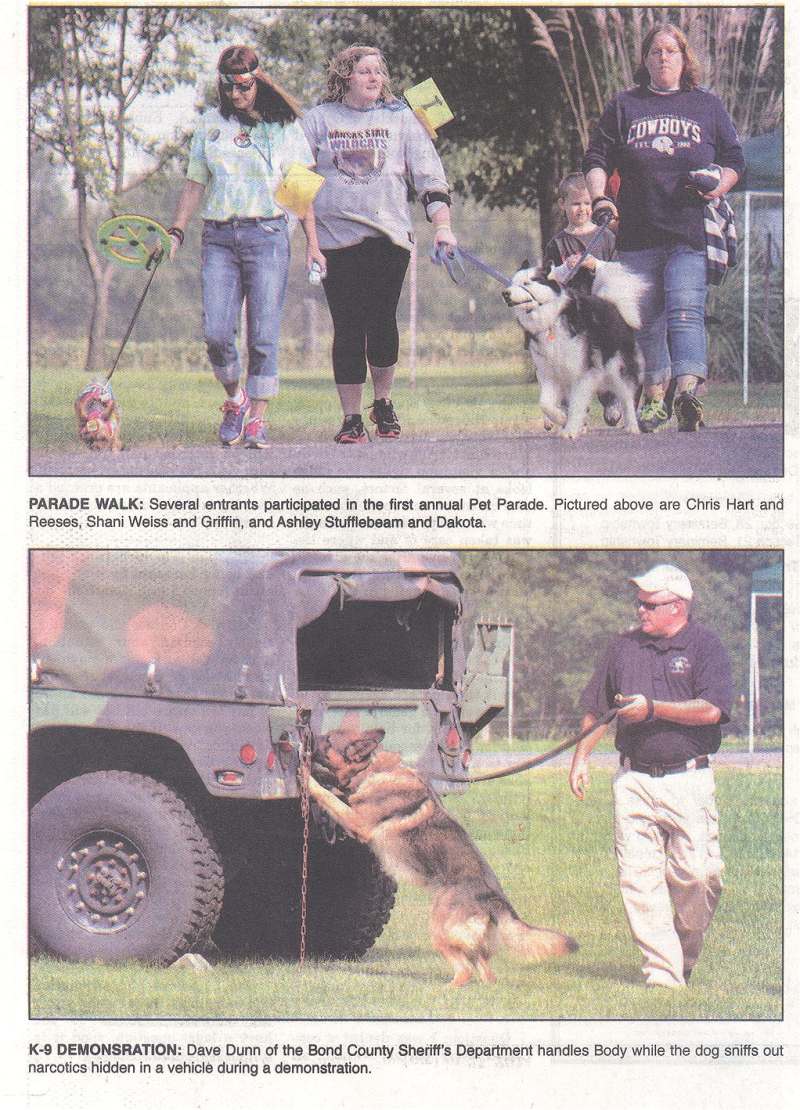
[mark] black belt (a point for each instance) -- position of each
(658, 770)
(235, 220)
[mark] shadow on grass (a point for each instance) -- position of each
(611, 972)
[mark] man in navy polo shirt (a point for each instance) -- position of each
(671, 681)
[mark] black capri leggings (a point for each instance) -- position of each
(363, 287)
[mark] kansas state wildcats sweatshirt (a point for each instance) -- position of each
(368, 158)
(653, 140)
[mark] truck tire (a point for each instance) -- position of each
(120, 869)
(350, 899)
(349, 902)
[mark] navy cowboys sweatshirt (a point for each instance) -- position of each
(653, 140)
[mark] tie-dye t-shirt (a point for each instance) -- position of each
(242, 166)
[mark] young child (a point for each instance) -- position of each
(564, 249)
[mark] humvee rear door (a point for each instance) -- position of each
(485, 683)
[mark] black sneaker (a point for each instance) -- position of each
(352, 430)
(688, 412)
(382, 414)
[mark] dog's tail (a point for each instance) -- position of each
(623, 289)
(529, 942)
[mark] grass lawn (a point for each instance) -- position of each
(467, 396)
(555, 860)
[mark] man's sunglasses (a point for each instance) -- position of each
(650, 605)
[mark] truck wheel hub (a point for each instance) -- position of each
(103, 882)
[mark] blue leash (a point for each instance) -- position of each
(450, 258)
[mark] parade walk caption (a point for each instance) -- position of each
(152, 514)
(347, 1058)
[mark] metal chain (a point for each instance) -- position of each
(305, 773)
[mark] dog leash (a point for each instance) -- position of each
(532, 761)
(153, 262)
(450, 258)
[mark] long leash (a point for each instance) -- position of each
(450, 258)
(152, 264)
(532, 761)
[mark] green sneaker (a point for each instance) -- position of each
(653, 415)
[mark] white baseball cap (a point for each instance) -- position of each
(667, 578)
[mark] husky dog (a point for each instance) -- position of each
(386, 805)
(581, 343)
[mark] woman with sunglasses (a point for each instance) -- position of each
(239, 155)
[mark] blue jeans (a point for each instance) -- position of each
(673, 333)
(245, 259)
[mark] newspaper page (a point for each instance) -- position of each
(248, 865)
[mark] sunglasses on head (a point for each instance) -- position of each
(650, 605)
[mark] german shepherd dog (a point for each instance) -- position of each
(386, 805)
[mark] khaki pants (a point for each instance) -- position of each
(666, 837)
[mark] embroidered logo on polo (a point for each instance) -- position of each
(664, 134)
(679, 664)
(359, 155)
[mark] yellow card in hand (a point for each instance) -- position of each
(429, 104)
(298, 188)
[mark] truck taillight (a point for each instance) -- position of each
(230, 778)
(270, 761)
(247, 754)
(466, 757)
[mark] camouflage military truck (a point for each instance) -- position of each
(166, 732)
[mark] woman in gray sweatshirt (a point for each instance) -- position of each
(369, 146)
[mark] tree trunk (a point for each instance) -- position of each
(550, 220)
(96, 353)
(548, 163)
(101, 275)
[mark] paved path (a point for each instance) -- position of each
(736, 451)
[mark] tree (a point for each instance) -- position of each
(593, 52)
(527, 84)
(89, 66)
(504, 147)
(567, 605)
